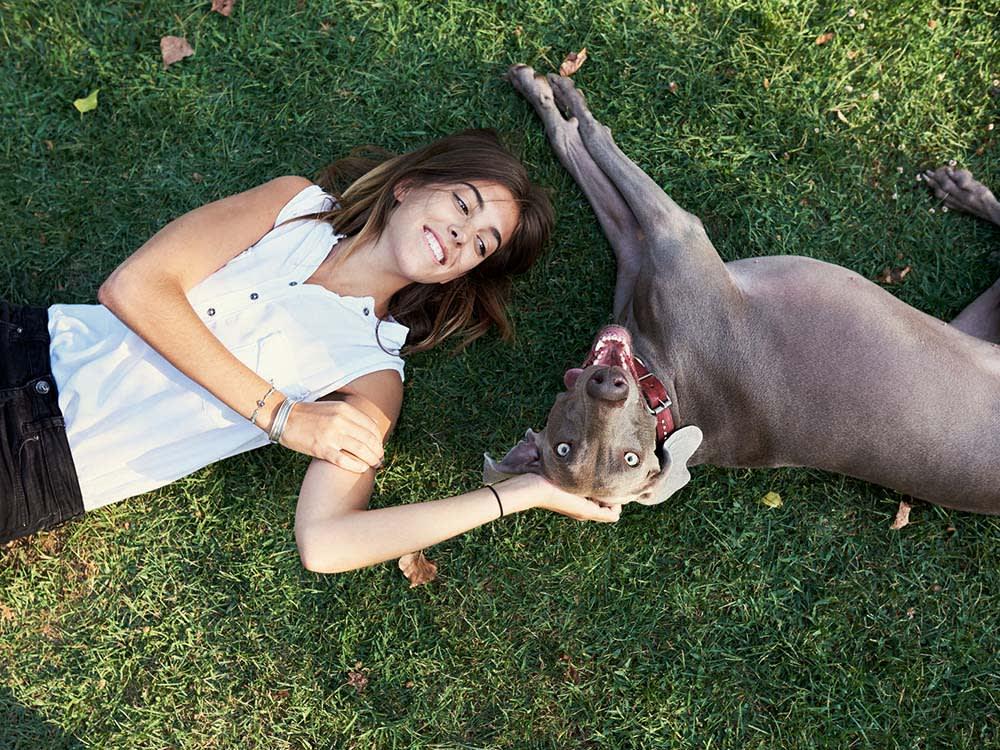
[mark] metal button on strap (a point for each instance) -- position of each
(42, 387)
(293, 283)
(211, 311)
(254, 295)
(366, 311)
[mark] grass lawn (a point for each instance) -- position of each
(183, 619)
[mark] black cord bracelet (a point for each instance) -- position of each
(497, 496)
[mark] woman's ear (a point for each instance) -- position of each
(400, 189)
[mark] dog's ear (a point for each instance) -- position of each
(523, 458)
(677, 451)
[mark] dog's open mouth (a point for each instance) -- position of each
(612, 348)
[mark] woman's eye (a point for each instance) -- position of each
(482, 247)
(631, 459)
(562, 450)
(461, 204)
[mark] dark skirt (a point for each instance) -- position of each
(38, 482)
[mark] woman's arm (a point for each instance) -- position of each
(335, 531)
(148, 293)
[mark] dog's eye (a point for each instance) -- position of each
(562, 450)
(631, 459)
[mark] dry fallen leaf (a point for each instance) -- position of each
(851, 54)
(841, 116)
(573, 62)
(223, 7)
(902, 516)
(417, 568)
(357, 678)
(87, 103)
(824, 38)
(672, 86)
(174, 49)
(767, 84)
(932, 24)
(772, 500)
(893, 275)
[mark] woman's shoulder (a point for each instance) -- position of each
(297, 196)
(288, 184)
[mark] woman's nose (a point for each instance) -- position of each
(457, 234)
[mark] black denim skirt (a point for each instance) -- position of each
(38, 482)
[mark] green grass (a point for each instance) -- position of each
(183, 619)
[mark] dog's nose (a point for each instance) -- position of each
(608, 385)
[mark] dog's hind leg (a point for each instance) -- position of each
(613, 213)
(960, 191)
(982, 317)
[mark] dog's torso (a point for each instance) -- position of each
(790, 361)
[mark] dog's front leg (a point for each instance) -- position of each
(613, 213)
(676, 238)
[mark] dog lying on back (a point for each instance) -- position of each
(777, 361)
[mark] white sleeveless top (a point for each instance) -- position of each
(135, 422)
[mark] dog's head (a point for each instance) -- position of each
(599, 439)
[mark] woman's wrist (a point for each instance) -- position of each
(267, 413)
(517, 493)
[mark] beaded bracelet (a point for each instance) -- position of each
(260, 405)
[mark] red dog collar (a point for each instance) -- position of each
(658, 402)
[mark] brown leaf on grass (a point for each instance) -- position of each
(767, 84)
(673, 87)
(824, 38)
(573, 62)
(841, 116)
(851, 54)
(357, 678)
(893, 275)
(417, 568)
(932, 24)
(902, 516)
(223, 7)
(174, 49)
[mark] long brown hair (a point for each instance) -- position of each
(473, 303)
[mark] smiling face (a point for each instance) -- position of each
(439, 233)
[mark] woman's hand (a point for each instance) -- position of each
(334, 431)
(535, 491)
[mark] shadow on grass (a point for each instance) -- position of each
(23, 728)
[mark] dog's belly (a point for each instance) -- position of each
(819, 367)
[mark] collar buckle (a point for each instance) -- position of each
(665, 403)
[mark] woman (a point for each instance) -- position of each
(277, 314)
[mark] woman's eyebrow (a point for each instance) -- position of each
(475, 190)
(481, 203)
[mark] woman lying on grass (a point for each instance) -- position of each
(277, 314)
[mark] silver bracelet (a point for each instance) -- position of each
(280, 420)
(260, 405)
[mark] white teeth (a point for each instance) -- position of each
(435, 246)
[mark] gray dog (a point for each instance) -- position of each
(778, 361)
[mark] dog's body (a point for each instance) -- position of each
(780, 361)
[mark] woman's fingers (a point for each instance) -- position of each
(336, 432)
(362, 449)
(350, 463)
